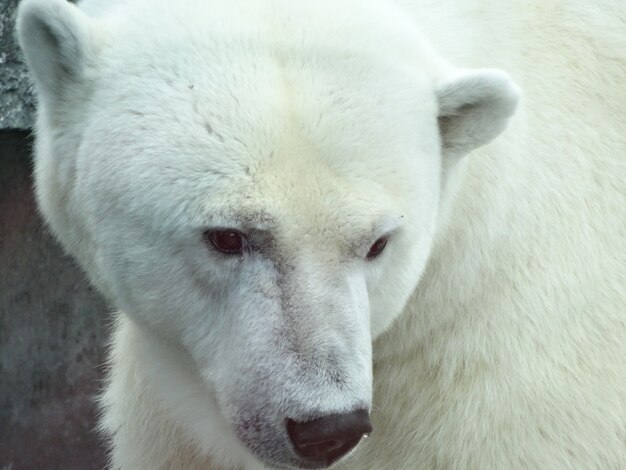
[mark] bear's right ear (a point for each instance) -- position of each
(57, 40)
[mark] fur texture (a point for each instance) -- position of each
(491, 331)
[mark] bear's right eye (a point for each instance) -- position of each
(377, 248)
(228, 241)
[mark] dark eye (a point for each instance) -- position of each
(230, 242)
(377, 248)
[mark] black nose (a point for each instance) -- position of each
(327, 439)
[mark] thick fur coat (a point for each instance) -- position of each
(490, 333)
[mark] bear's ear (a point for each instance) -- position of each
(57, 40)
(474, 108)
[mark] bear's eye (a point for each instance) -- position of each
(377, 248)
(229, 241)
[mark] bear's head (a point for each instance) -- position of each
(256, 185)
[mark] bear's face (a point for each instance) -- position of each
(265, 205)
(272, 224)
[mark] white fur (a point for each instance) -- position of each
(317, 127)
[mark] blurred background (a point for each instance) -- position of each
(53, 324)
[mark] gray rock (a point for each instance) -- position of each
(17, 102)
(53, 331)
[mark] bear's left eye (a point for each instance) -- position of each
(377, 248)
(229, 241)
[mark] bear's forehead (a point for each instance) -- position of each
(255, 100)
(244, 77)
(211, 119)
(268, 127)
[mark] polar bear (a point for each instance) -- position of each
(325, 220)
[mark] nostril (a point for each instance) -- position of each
(320, 446)
(327, 439)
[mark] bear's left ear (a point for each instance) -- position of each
(474, 108)
(58, 41)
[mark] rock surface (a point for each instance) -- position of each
(53, 331)
(17, 103)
